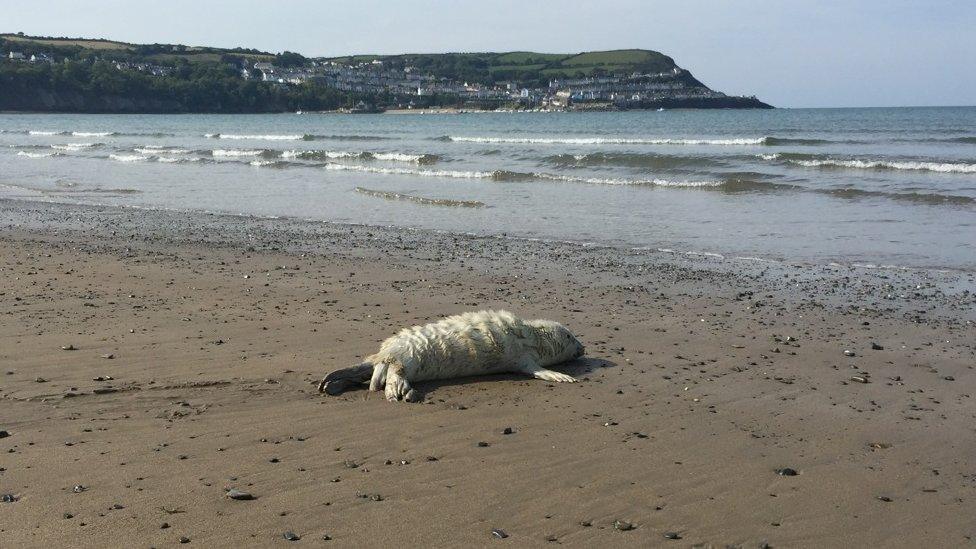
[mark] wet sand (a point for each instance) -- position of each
(195, 343)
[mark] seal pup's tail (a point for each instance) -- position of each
(338, 381)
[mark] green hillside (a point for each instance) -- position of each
(528, 68)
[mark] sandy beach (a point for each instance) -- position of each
(151, 361)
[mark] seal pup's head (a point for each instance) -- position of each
(556, 343)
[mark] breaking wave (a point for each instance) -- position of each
(128, 157)
(75, 146)
(267, 137)
(239, 152)
(388, 195)
(817, 161)
(37, 155)
(150, 149)
(602, 140)
(385, 156)
(632, 160)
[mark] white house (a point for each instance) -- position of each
(16, 56)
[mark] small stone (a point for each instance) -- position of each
(234, 493)
(39, 379)
(585, 523)
(885, 499)
(67, 515)
(164, 526)
(498, 533)
(786, 472)
(551, 538)
(483, 444)
(4, 434)
(78, 489)
(622, 525)
(326, 537)
(109, 356)
(431, 458)
(672, 535)
(949, 378)
(876, 347)
(8, 498)
(508, 431)
(849, 352)
(274, 460)
(184, 539)
(68, 347)
(860, 379)
(376, 497)
(291, 536)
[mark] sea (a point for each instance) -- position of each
(876, 188)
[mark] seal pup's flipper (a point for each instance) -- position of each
(338, 381)
(538, 372)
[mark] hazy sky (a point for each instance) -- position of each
(787, 52)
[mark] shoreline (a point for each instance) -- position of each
(701, 380)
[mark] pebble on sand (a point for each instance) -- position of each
(786, 472)
(498, 533)
(291, 536)
(234, 493)
(622, 525)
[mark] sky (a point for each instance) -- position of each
(790, 53)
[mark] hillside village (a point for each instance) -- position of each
(621, 79)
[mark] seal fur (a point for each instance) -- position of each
(468, 344)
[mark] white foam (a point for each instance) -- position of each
(270, 137)
(941, 167)
(74, 146)
(160, 150)
(44, 132)
(608, 141)
(36, 155)
(177, 159)
(260, 163)
(127, 157)
(408, 171)
(237, 152)
(648, 182)
(398, 157)
(324, 154)
(92, 134)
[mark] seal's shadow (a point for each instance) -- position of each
(579, 368)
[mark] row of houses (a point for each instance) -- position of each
(372, 77)
(33, 58)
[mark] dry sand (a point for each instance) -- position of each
(695, 392)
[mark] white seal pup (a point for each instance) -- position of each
(469, 344)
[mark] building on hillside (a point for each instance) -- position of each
(16, 56)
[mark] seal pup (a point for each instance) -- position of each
(468, 344)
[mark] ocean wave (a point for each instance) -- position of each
(151, 149)
(321, 155)
(781, 141)
(604, 140)
(92, 134)
(405, 157)
(265, 137)
(817, 161)
(388, 195)
(363, 155)
(267, 163)
(47, 132)
(408, 171)
(178, 159)
(128, 157)
(921, 198)
(37, 155)
(969, 140)
(75, 146)
(239, 152)
(633, 160)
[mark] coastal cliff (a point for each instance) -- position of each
(98, 76)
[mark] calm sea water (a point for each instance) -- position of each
(873, 187)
